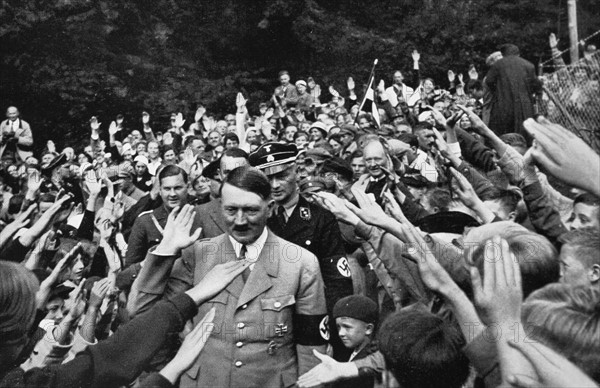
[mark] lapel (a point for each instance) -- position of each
(267, 266)
(216, 215)
(296, 222)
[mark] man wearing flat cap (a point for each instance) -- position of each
(307, 225)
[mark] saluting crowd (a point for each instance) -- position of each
(414, 235)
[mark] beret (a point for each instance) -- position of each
(358, 307)
(273, 157)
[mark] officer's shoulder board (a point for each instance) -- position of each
(146, 212)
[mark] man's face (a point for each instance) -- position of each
(584, 216)
(136, 135)
(140, 149)
(398, 78)
(364, 124)
(230, 119)
(284, 79)
(153, 151)
(229, 163)
(572, 270)
(301, 141)
(140, 169)
(353, 332)
(283, 185)
(197, 146)
(346, 139)
(316, 134)
(214, 139)
(47, 158)
(173, 191)
(12, 113)
(290, 132)
(221, 127)
(359, 167)
(400, 129)
(374, 156)
(426, 138)
(245, 213)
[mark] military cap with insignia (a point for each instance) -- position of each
(312, 184)
(272, 157)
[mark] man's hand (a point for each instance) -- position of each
(350, 84)
(329, 370)
(113, 128)
(51, 146)
(176, 235)
(199, 113)
(499, 297)
(98, 292)
(94, 124)
(564, 155)
(179, 121)
(460, 79)
(240, 101)
(34, 181)
(145, 118)
(190, 348)
(552, 40)
(451, 76)
(465, 190)
(473, 72)
(438, 116)
(416, 56)
(93, 184)
(337, 206)
(216, 280)
(381, 87)
(369, 212)
(334, 92)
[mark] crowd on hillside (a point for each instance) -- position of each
(415, 235)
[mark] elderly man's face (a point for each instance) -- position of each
(214, 139)
(398, 78)
(426, 138)
(245, 213)
(12, 113)
(375, 158)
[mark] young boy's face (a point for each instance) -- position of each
(353, 332)
(55, 308)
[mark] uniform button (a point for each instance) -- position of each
(307, 242)
(240, 325)
(244, 306)
(277, 305)
(239, 344)
(238, 363)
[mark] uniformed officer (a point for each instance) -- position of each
(308, 225)
(148, 228)
(269, 319)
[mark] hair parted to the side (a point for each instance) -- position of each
(172, 170)
(566, 318)
(422, 350)
(248, 179)
(586, 244)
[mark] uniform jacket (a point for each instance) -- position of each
(266, 328)
(211, 219)
(144, 234)
(22, 134)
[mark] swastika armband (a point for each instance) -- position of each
(311, 330)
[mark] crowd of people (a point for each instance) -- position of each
(448, 238)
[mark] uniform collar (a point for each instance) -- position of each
(252, 250)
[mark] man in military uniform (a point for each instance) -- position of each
(148, 228)
(308, 225)
(269, 319)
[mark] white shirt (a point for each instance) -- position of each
(252, 250)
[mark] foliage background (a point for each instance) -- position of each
(63, 61)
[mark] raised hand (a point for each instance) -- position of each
(416, 56)
(216, 280)
(176, 235)
(179, 121)
(190, 348)
(188, 156)
(369, 212)
(350, 83)
(393, 208)
(564, 155)
(51, 146)
(473, 74)
(552, 369)
(94, 124)
(438, 116)
(113, 128)
(460, 78)
(337, 206)
(98, 292)
(334, 92)
(93, 184)
(476, 123)
(451, 76)
(465, 190)
(199, 113)
(552, 40)
(240, 101)
(381, 87)
(145, 118)
(34, 181)
(327, 371)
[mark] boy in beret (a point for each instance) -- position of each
(356, 318)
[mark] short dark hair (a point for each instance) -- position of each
(231, 136)
(423, 350)
(509, 199)
(172, 170)
(190, 139)
(283, 72)
(235, 153)
(422, 126)
(248, 179)
(587, 199)
(585, 242)
(440, 198)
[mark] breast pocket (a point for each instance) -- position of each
(277, 313)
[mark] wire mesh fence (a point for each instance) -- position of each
(571, 97)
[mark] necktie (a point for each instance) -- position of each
(281, 216)
(246, 272)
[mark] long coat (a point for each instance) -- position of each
(265, 328)
(513, 83)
